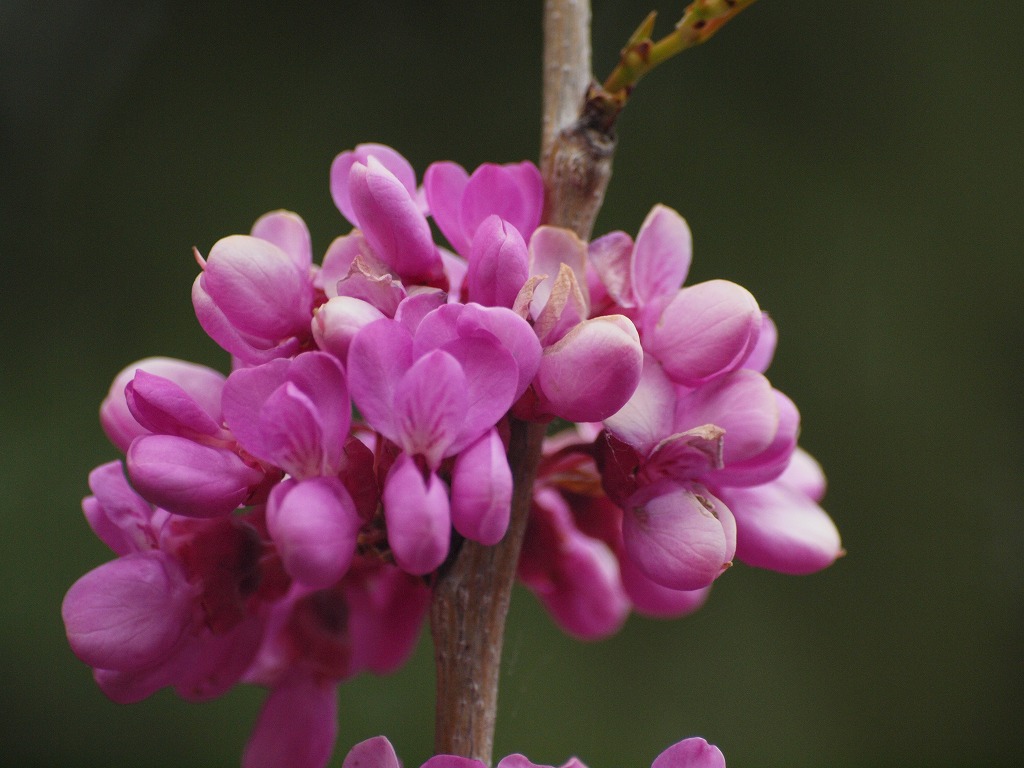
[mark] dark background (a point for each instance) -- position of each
(858, 166)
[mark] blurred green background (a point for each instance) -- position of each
(858, 166)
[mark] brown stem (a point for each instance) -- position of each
(471, 595)
(467, 617)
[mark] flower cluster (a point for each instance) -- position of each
(281, 525)
(378, 753)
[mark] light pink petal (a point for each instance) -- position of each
(244, 347)
(482, 490)
(201, 383)
(611, 258)
(392, 222)
(337, 322)
(676, 537)
(386, 156)
(444, 184)
(452, 761)
(550, 247)
(805, 474)
(652, 599)
(189, 479)
(743, 404)
(690, 753)
(566, 308)
(369, 280)
(288, 232)
(314, 524)
(296, 727)
(258, 287)
(661, 257)
(762, 353)
(372, 753)
(705, 330)
(497, 263)
(337, 261)
(513, 192)
(414, 308)
(160, 405)
(430, 407)
(418, 517)
(781, 529)
(117, 514)
(773, 460)
(378, 357)
(130, 613)
(592, 371)
(647, 417)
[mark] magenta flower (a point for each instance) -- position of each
(460, 203)
(378, 753)
(254, 296)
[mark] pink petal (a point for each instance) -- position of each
(160, 405)
(513, 192)
(491, 375)
(675, 537)
(314, 524)
(378, 357)
(189, 479)
(481, 498)
(418, 517)
(452, 761)
(414, 308)
(386, 156)
(566, 308)
(288, 232)
(611, 258)
(661, 257)
(690, 753)
(431, 406)
(392, 223)
(337, 322)
(337, 261)
(592, 371)
(743, 404)
(550, 247)
(768, 464)
(761, 355)
(372, 753)
(130, 613)
(652, 599)
(296, 727)
(497, 263)
(705, 330)
(203, 384)
(444, 184)
(647, 417)
(368, 279)
(117, 514)
(781, 529)
(805, 474)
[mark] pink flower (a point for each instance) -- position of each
(378, 753)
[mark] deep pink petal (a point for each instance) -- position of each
(676, 537)
(431, 407)
(378, 357)
(321, 378)
(189, 479)
(288, 232)
(705, 330)
(592, 371)
(418, 517)
(130, 613)
(414, 308)
(513, 192)
(491, 376)
(444, 184)
(452, 761)
(652, 599)
(482, 490)
(161, 406)
(202, 384)
(117, 514)
(498, 265)
(245, 393)
(661, 257)
(690, 753)
(372, 753)
(761, 355)
(385, 155)
(392, 222)
(314, 524)
(296, 727)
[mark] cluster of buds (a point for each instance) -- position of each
(282, 525)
